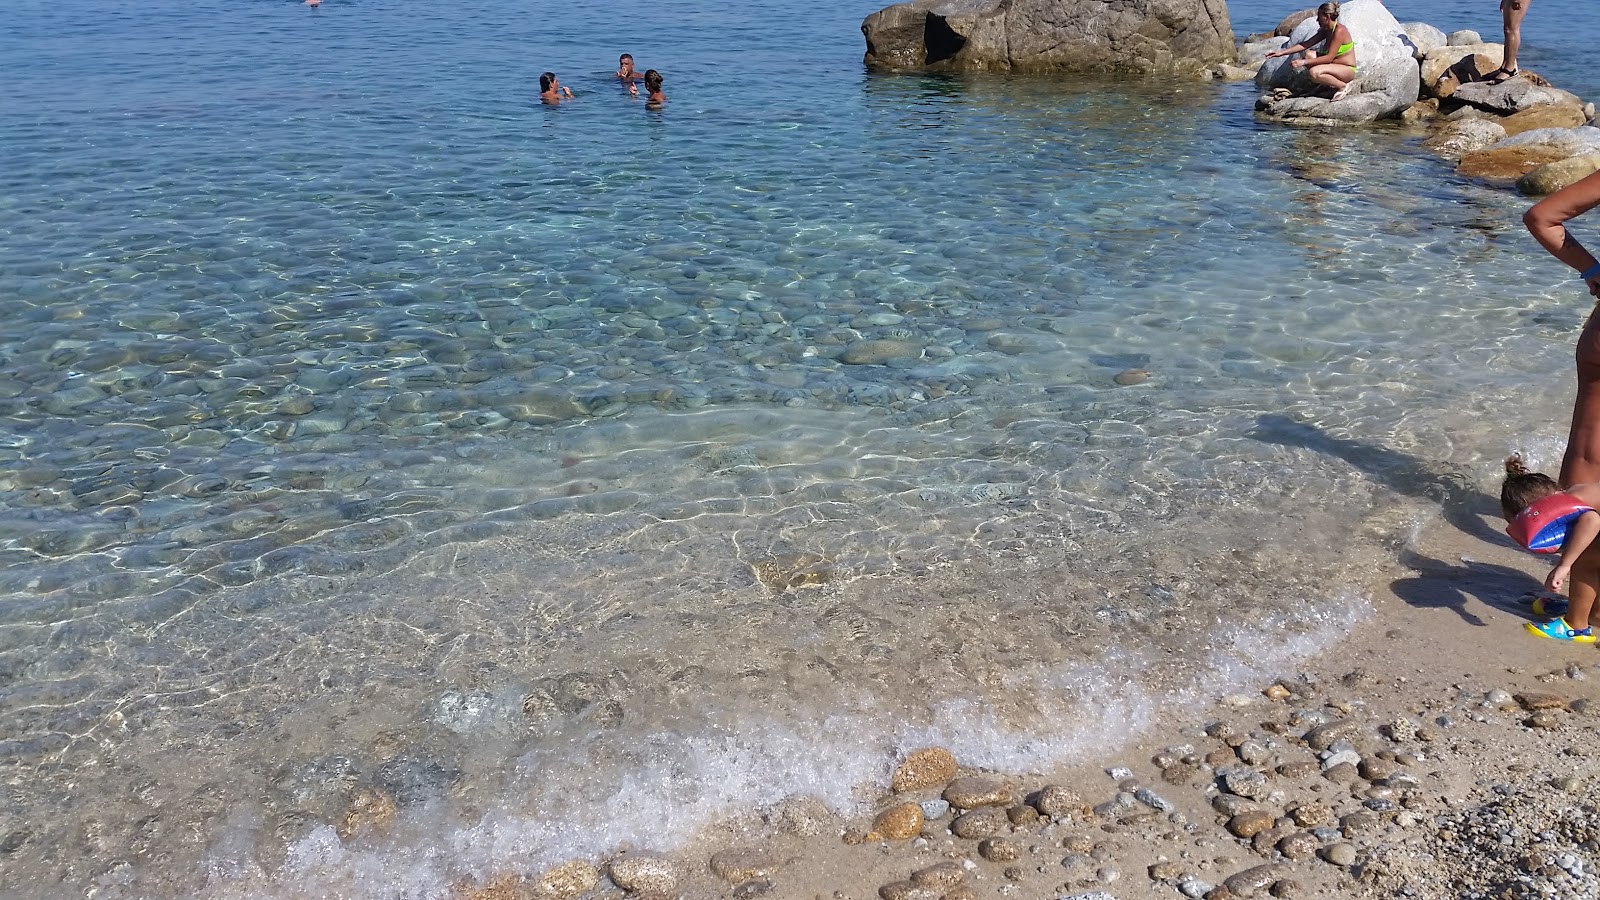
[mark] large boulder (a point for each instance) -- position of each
(1292, 21)
(1552, 177)
(1382, 90)
(1253, 54)
(1457, 139)
(1516, 156)
(1377, 38)
(1446, 68)
(1128, 36)
(1422, 37)
(1512, 96)
(1550, 115)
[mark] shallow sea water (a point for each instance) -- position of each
(579, 475)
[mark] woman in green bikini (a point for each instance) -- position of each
(1335, 67)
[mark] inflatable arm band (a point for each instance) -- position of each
(1542, 527)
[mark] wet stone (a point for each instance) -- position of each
(1251, 823)
(1324, 736)
(933, 810)
(940, 875)
(1341, 854)
(1299, 768)
(369, 807)
(1533, 701)
(1245, 782)
(1310, 815)
(740, 864)
(1342, 773)
(925, 768)
(804, 816)
(644, 874)
(1059, 802)
(568, 881)
(999, 849)
(979, 823)
(1300, 845)
(974, 791)
(907, 890)
(901, 822)
(1250, 881)
(1022, 815)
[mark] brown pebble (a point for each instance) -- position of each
(1220, 757)
(1533, 701)
(1129, 377)
(1014, 873)
(1285, 888)
(571, 879)
(1300, 845)
(1250, 823)
(1249, 881)
(973, 791)
(1059, 802)
(740, 864)
(1022, 814)
(1300, 768)
(1167, 871)
(1276, 692)
(900, 822)
(1311, 815)
(999, 849)
(960, 892)
(925, 768)
(369, 806)
(1180, 773)
(906, 890)
(979, 823)
(1544, 719)
(945, 874)
(855, 836)
(1343, 773)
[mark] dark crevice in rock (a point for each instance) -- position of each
(940, 40)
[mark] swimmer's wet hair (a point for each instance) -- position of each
(1331, 10)
(652, 80)
(1522, 487)
(546, 80)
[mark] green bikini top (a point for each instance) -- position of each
(1345, 48)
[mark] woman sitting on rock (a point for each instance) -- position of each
(1335, 67)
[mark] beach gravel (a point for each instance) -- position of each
(1059, 802)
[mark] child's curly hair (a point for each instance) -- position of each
(1522, 487)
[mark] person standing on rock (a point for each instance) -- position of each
(1511, 13)
(1335, 67)
(1547, 221)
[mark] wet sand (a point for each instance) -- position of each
(1438, 752)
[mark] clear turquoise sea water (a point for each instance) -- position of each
(574, 475)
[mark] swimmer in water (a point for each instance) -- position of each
(552, 90)
(652, 83)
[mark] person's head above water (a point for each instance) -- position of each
(1522, 487)
(652, 81)
(547, 82)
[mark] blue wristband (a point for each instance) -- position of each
(1591, 272)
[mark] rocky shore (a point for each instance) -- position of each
(1524, 131)
(1437, 753)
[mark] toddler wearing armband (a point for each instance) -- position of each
(1545, 519)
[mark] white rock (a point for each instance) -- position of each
(1463, 37)
(1423, 37)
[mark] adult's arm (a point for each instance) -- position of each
(1547, 222)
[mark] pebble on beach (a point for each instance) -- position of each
(900, 822)
(925, 768)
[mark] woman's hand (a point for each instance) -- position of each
(1297, 64)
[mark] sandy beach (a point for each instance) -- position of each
(1438, 752)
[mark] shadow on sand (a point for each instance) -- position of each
(1438, 584)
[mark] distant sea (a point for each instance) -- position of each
(402, 480)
